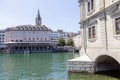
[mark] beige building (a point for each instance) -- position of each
(100, 36)
(29, 38)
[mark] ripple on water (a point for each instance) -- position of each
(40, 67)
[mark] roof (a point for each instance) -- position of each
(28, 28)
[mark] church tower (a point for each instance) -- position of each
(38, 19)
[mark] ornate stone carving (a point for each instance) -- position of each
(115, 10)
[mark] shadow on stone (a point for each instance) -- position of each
(115, 73)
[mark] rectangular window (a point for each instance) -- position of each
(92, 4)
(117, 25)
(88, 6)
(91, 32)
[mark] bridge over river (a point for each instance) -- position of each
(95, 60)
(100, 37)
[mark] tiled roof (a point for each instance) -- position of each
(28, 28)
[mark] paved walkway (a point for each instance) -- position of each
(82, 58)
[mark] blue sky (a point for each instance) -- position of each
(56, 14)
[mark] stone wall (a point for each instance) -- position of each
(80, 66)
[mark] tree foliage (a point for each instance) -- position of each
(61, 41)
(69, 42)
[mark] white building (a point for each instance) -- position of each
(2, 34)
(76, 41)
(55, 37)
(100, 36)
(58, 34)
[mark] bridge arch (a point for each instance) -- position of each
(106, 63)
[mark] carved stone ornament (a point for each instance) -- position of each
(91, 22)
(116, 10)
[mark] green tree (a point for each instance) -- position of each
(61, 41)
(69, 42)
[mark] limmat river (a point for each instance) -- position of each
(43, 66)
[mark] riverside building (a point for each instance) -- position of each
(100, 37)
(2, 34)
(58, 34)
(29, 38)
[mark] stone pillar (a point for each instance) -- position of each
(43, 48)
(31, 48)
(28, 48)
(14, 48)
(47, 48)
(51, 48)
(18, 48)
(39, 48)
(34, 48)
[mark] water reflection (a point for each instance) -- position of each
(114, 74)
(34, 66)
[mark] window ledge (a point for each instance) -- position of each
(89, 13)
(92, 40)
(117, 35)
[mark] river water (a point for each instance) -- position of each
(45, 66)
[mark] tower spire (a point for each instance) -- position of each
(38, 19)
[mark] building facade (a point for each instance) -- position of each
(100, 36)
(58, 34)
(29, 38)
(55, 37)
(2, 34)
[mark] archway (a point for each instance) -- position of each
(106, 63)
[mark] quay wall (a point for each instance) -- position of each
(78, 66)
